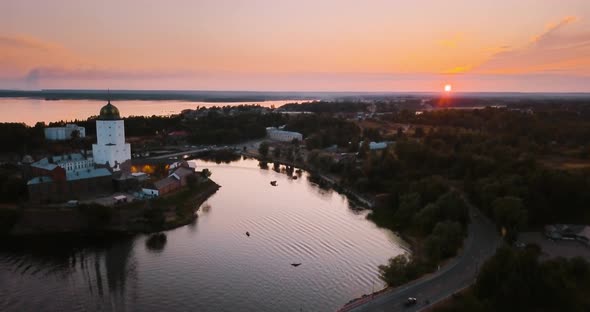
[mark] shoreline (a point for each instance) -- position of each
(122, 222)
(352, 196)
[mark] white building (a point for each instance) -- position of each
(63, 133)
(282, 135)
(376, 145)
(110, 144)
(70, 162)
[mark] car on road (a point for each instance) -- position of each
(410, 301)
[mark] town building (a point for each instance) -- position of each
(375, 146)
(64, 133)
(177, 179)
(66, 177)
(110, 147)
(278, 134)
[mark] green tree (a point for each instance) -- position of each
(263, 149)
(277, 152)
(409, 204)
(510, 214)
(444, 240)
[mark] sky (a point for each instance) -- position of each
(303, 45)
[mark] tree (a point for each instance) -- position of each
(263, 149)
(206, 173)
(395, 272)
(276, 152)
(75, 135)
(510, 214)
(453, 207)
(444, 240)
(419, 132)
(409, 204)
(400, 132)
(427, 217)
(364, 149)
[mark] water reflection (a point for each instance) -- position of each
(156, 242)
(31, 111)
(101, 268)
(211, 265)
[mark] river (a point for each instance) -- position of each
(211, 265)
(31, 111)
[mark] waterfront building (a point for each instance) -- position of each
(64, 133)
(278, 134)
(110, 147)
(177, 179)
(66, 177)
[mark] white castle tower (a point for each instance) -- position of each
(110, 144)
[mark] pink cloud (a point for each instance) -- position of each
(560, 48)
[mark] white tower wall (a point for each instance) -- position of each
(110, 146)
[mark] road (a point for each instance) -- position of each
(253, 144)
(481, 243)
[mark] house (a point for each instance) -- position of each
(176, 180)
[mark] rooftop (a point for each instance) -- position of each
(87, 174)
(164, 183)
(109, 112)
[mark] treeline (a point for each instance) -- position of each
(516, 280)
(350, 106)
(323, 131)
(215, 128)
(20, 138)
(433, 214)
(13, 188)
(326, 107)
(517, 129)
(506, 181)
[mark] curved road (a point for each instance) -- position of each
(481, 243)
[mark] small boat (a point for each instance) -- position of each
(296, 264)
(273, 183)
(248, 234)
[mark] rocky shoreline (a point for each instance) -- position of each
(174, 211)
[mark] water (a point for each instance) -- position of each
(31, 111)
(212, 265)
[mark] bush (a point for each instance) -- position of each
(8, 218)
(97, 216)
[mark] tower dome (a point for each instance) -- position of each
(109, 112)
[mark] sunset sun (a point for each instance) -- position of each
(448, 88)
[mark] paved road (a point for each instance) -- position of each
(481, 243)
(253, 144)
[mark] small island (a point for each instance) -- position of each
(102, 190)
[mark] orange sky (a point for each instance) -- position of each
(328, 45)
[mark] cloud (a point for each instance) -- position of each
(20, 53)
(453, 41)
(91, 78)
(26, 42)
(561, 47)
(458, 69)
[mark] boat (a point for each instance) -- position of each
(296, 264)
(273, 183)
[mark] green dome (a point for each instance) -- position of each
(109, 112)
